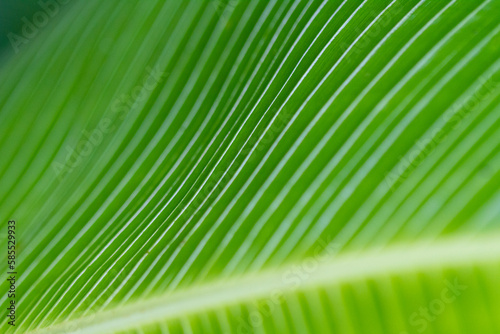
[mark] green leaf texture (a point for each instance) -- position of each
(255, 167)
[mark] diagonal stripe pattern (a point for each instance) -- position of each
(160, 157)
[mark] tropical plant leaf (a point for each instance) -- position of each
(254, 167)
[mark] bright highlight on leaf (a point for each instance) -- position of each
(253, 167)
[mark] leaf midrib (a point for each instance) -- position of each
(314, 272)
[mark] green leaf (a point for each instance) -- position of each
(253, 167)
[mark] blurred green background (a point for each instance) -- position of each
(12, 13)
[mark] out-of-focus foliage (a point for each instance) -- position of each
(12, 14)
